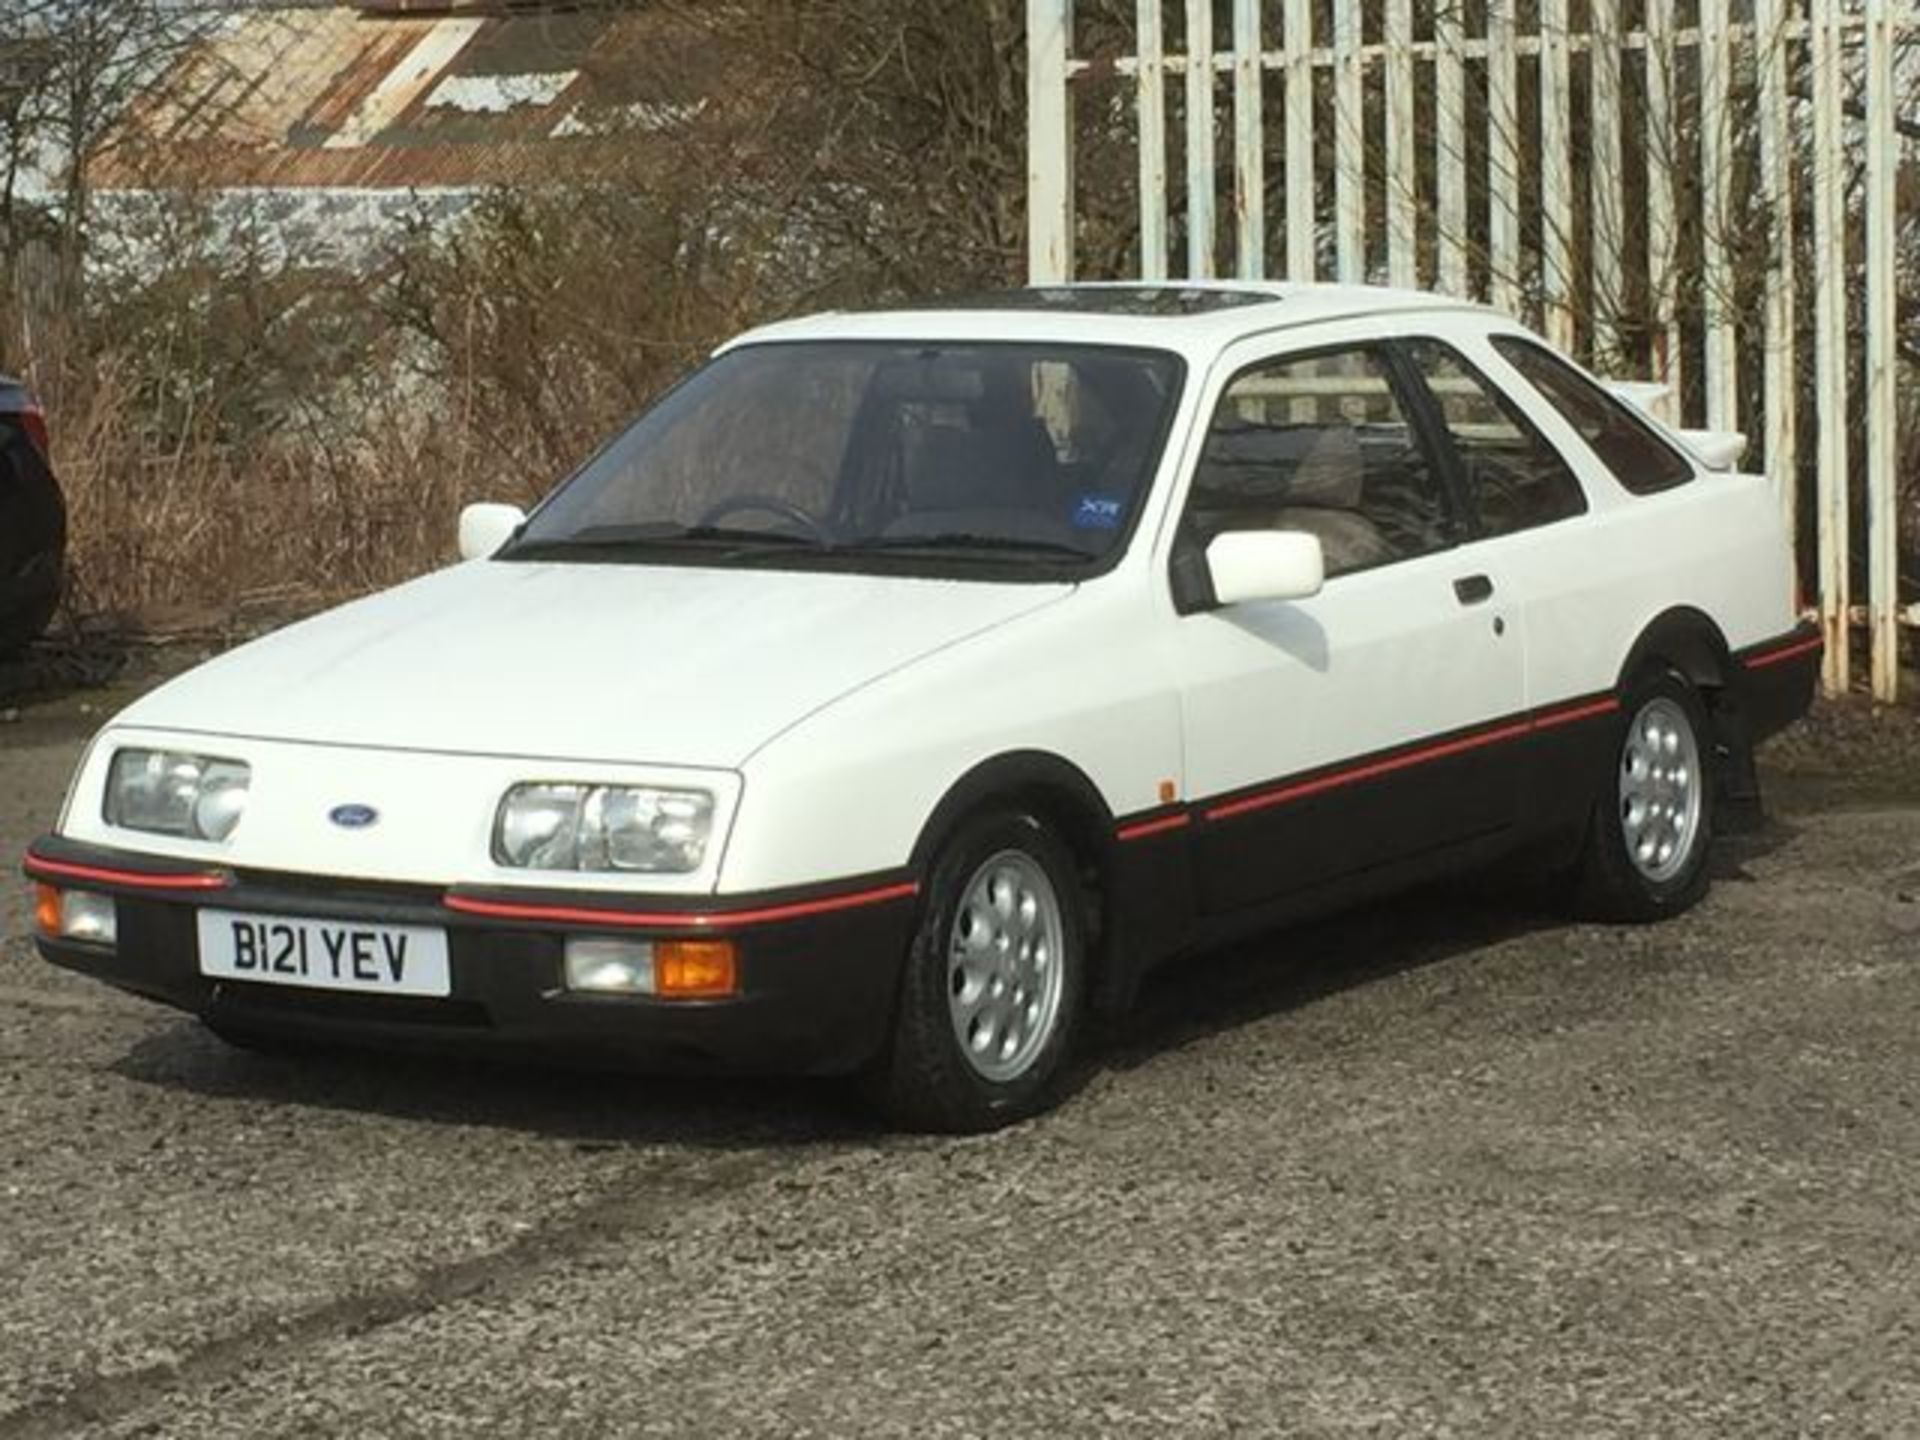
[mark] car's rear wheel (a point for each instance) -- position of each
(1652, 827)
(995, 978)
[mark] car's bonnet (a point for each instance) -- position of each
(650, 664)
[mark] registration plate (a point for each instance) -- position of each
(324, 954)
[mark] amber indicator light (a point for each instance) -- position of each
(695, 969)
(46, 910)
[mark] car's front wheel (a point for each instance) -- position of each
(1647, 846)
(994, 983)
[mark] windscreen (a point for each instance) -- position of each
(857, 452)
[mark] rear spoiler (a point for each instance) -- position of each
(1715, 449)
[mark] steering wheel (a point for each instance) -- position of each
(767, 505)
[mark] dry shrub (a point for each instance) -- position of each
(236, 433)
(191, 535)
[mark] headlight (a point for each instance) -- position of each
(168, 792)
(603, 827)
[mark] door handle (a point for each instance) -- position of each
(1473, 589)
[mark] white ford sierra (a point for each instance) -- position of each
(902, 685)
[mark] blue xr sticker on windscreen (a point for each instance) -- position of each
(1097, 512)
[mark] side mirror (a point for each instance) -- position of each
(1265, 565)
(485, 528)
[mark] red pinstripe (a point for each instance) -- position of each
(680, 919)
(1790, 652)
(43, 869)
(1545, 720)
(1140, 829)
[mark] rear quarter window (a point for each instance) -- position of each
(1627, 445)
(1514, 478)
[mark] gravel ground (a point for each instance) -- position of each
(1449, 1167)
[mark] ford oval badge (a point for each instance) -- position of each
(353, 817)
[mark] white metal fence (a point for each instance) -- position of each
(1701, 192)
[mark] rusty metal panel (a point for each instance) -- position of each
(356, 72)
(405, 81)
(293, 96)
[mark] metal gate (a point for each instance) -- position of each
(1703, 193)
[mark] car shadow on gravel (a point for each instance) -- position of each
(1182, 1003)
(596, 1110)
(1294, 966)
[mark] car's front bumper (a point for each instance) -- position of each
(818, 969)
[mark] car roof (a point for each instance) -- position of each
(1192, 317)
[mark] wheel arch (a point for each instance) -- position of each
(1059, 792)
(1689, 641)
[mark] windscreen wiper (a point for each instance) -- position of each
(1007, 545)
(658, 535)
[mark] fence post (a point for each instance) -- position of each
(1402, 182)
(1049, 142)
(1722, 352)
(1249, 143)
(1303, 237)
(1776, 180)
(1450, 121)
(1606, 185)
(1664, 175)
(1349, 148)
(1830, 343)
(1201, 214)
(1151, 103)
(1556, 159)
(1503, 155)
(1883, 441)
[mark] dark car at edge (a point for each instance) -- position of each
(33, 521)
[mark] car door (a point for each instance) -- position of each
(1364, 725)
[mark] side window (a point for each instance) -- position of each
(1319, 443)
(1514, 478)
(1639, 459)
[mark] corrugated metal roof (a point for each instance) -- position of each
(416, 96)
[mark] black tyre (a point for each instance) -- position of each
(1647, 844)
(995, 982)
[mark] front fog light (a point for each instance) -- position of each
(86, 916)
(75, 915)
(610, 967)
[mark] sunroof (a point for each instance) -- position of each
(1146, 300)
